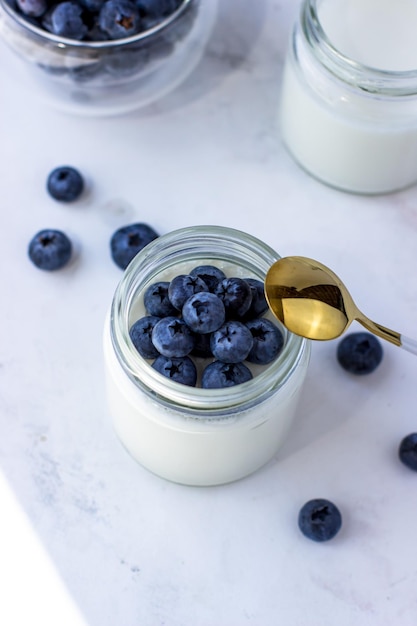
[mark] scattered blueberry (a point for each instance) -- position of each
(50, 249)
(408, 451)
(319, 519)
(267, 341)
(65, 183)
(181, 370)
(156, 300)
(66, 20)
(236, 296)
(119, 18)
(232, 342)
(211, 275)
(218, 375)
(360, 353)
(183, 287)
(203, 312)
(172, 337)
(141, 336)
(127, 241)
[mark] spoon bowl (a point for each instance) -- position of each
(311, 301)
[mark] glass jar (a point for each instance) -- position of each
(107, 77)
(187, 434)
(351, 126)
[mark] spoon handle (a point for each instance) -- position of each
(389, 335)
(382, 331)
(408, 344)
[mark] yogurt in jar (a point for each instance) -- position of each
(349, 94)
(191, 435)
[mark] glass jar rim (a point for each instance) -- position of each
(65, 42)
(365, 77)
(194, 400)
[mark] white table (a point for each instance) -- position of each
(126, 547)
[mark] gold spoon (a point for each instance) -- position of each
(311, 301)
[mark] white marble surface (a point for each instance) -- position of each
(130, 548)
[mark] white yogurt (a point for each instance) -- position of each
(190, 435)
(352, 126)
(197, 451)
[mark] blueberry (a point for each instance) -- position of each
(158, 8)
(119, 18)
(267, 341)
(408, 451)
(180, 370)
(172, 337)
(211, 275)
(33, 8)
(156, 300)
(182, 287)
(204, 312)
(259, 304)
(232, 342)
(92, 5)
(65, 183)
(360, 353)
(66, 20)
(141, 336)
(236, 295)
(218, 375)
(50, 249)
(127, 241)
(319, 519)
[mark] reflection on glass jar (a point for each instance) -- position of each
(112, 76)
(187, 434)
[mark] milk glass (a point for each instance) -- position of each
(348, 123)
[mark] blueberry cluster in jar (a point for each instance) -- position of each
(208, 316)
(140, 34)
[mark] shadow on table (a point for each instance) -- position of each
(330, 398)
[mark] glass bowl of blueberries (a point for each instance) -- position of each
(105, 57)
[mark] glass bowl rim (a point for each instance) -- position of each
(65, 42)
